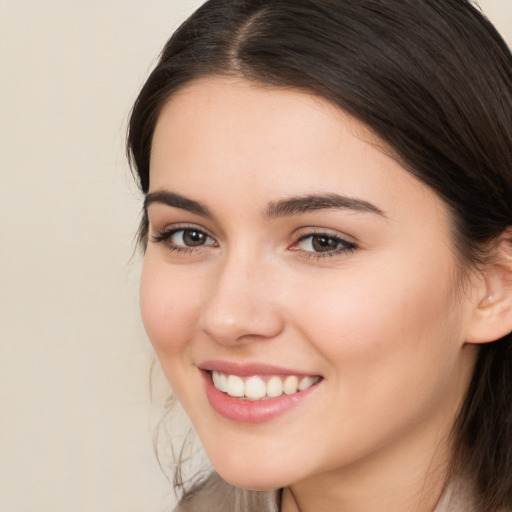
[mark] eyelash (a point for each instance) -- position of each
(345, 246)
(165, 235)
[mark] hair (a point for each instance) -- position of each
(432, 79)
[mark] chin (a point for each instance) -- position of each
(247, 473)
(252, 480)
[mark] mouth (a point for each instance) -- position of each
(261, 387)
(253, 394)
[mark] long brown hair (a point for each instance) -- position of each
(432, 79)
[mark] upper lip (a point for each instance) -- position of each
(248, 369)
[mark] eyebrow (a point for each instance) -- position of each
(176, 201)
(283, 208)
(315, 202)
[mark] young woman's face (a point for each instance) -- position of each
(297, 264)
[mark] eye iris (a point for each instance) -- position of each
(193, 238)
(323, 243)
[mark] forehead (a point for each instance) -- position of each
(244, 111)
(217, 118)
(228, 131)
(203, 95)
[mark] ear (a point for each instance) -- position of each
(492, 313)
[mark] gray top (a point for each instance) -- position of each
(215, 495)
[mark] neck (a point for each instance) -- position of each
(404, 480)
(408, 474)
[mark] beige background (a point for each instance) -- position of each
(75, 417)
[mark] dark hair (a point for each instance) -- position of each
(432, 79)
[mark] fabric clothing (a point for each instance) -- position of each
(216, 495)
(458, 497)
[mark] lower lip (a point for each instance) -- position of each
(247, 411)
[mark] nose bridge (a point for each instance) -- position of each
(240, 306)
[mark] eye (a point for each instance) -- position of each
(190, 238)
(322, 244)
(319, 243)
(184, 238)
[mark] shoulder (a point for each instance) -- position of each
(461, 496)
(216, 495)
(210, 495)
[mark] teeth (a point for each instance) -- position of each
(235, 386)
(274, 387)
(255, 388)
(220, 381)
(306, 382)
(291, 385)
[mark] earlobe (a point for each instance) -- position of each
(487, 301)
(492, 316)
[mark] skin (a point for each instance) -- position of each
(384, 324)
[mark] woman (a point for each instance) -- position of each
(328, 253)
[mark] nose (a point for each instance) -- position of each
(241, 305)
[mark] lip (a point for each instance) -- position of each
(249, 369)
(247, 411)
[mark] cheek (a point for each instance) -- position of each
(384, 329)
(169, 306)
(391, 352)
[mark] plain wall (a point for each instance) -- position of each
(76, 421)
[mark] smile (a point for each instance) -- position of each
(257, 387)
(253, 393)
